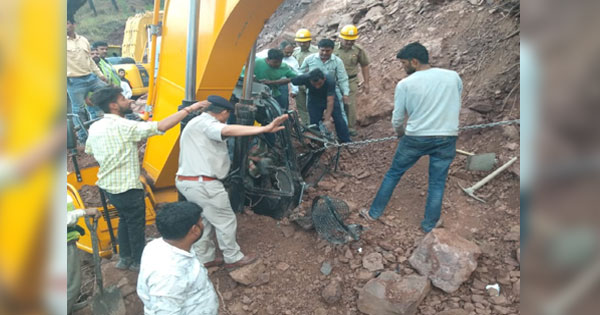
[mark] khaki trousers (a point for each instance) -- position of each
(351, 108)
(217, 216)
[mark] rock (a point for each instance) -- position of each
(516, 289)
(320, 311)
(514, 234)
(326, 268)
(501, 310)
(282, 266)
(326, 185)
(227, 296)
(246, 299)
(391, 294)
(364, 275)
(249, 274)
(386, 245)
(499, 300)
(512, 146)
(476, 298)
(375, 14)
(288, 230)
(445, 258)
(332, 292)
(511, 132)
(482, 108)
(478, 284)
(453, 312)
(519, 255)
(373, 262)
(469, 307)
(237, 308)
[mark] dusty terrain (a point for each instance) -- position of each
(481, 42)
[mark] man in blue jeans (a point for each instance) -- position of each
(322, 102)
(83, 75)
(430, 97)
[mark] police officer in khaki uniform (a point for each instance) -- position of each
(303, 40)
(352, 55)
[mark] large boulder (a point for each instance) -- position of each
(392, 294)
(445, 258)
(252, 275)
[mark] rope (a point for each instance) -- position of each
(375, 140)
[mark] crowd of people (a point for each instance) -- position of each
(323, 80)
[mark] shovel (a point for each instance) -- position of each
(479, 162)
(109, 301)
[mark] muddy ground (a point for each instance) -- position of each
(481, 42)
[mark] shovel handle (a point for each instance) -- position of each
(92, 225)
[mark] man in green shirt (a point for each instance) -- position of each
(272, 72)
(352, 55)
(303, 40)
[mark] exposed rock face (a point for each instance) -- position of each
(446, 259)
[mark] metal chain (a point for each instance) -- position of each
(375, 140)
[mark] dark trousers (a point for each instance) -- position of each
(316, 108)
(284, 98)
(131, 207)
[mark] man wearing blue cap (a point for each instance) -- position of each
(203, 163)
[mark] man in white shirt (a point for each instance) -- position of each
(203, 163)
(430, 97)
(171, 279)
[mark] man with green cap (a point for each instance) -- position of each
(352, 55)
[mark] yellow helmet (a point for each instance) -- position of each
(349, 32)
(303, 35)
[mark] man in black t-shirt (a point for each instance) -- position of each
(322, 104)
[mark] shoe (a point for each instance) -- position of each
(248, 259)
(214, 263)
(439, 223)
(134, 267)
(364, 212)
(123, 263)
(353, 133)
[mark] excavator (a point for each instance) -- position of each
(203, 47)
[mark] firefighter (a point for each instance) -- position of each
(352, 55)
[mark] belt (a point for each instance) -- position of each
(200, 178)
(80, 77)
(352, 76)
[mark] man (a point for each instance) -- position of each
(203, 164)
(273, 72)
(105, 66)
(329, 64)
(121, 74)
(303, 40)
(288, 49)
(73, 261)
(113, 143)
(171, 279)
(83, 75)
(352, 55)
(431, 99)
(321, 101)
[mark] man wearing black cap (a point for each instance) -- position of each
(113, 141)
(203, 163)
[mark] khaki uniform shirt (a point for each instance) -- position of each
(352, 58)
(300, 55)
(79, 61)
